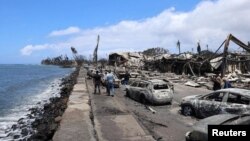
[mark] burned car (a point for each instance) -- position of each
(117, 82)
(135, 75)
(200, 129)
(91, 72)
(150, 91)
(232, 100)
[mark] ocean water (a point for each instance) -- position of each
(26, 86)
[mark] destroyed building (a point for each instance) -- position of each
(205, 61)
(126, 59)
(187, 63)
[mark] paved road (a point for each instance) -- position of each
(181, 91)
(112, 120)
(167, 123)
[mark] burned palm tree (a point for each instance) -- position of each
(95, 56)
(73, 50)
(78, 58)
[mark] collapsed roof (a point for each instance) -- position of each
(126, 59)
(189, 63)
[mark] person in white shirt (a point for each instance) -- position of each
(110, 83)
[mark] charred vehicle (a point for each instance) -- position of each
(200, 129)
(232, 100)
(91, 72)
(134, 76)
(117, 82)
(150, 91)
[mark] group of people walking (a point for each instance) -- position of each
(220, 83)
(108, 82)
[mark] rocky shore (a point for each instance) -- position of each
(42, 122)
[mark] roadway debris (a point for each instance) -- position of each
(151, 109)
(192, 84)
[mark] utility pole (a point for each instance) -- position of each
(178, 44)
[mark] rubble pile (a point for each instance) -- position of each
(191, 69)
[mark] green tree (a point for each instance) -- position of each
(155, 51)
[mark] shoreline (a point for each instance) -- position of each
(42, 122)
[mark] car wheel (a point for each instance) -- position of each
(187, 110)
(127, 93)
(143, 100)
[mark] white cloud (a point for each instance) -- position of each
(58, 48)
(210, 22)
(29, 49)
(67, 31)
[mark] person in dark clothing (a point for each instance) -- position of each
(198, 48)
(216, 86)
(97, 81)
(217, 82)
(126, 78)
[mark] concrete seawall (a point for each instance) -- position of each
(76, 123)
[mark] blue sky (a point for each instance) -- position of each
(31, 30)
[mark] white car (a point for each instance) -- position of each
(154, 91)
